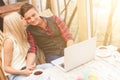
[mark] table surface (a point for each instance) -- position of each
(101, 68)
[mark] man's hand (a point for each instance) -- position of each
(69, 43)
(31, 61)
(31, 67)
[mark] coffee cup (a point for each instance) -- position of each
(38, 72)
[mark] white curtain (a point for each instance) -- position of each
(106, 21)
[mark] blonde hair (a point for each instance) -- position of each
(14, 26)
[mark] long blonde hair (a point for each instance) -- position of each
(14, 26)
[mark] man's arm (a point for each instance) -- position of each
(31, 56)
(67, 36)
(31, 41)
(31, 61)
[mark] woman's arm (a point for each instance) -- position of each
(8, 54)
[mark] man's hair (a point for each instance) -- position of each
(25, 7)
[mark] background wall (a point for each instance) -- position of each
(86, 18)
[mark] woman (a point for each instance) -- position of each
(17, 62)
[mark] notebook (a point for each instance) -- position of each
(76, 55)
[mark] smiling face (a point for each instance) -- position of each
(32, 17)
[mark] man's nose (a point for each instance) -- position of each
(32, 19)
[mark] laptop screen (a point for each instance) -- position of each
(77, 54)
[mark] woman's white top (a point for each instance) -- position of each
(18, 59)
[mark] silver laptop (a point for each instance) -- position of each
(76, 55)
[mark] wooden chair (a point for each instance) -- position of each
(2, 76)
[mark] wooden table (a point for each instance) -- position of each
(10, 8)
(7, 9)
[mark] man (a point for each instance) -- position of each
(51, 34)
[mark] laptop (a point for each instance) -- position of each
(76, 55)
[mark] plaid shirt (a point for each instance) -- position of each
(32, 48)
(62, 27)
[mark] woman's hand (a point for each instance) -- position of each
(26, 72)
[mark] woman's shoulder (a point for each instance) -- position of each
(8, 40)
